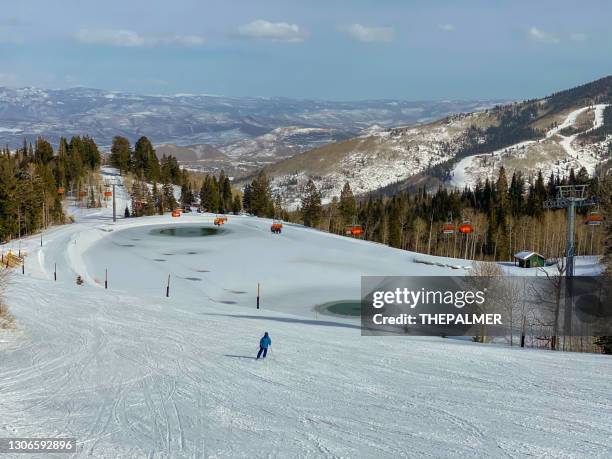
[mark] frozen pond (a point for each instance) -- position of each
(344, 308)
(186, 231)
(296, 270)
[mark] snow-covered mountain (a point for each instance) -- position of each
(566, 146)
(569, 129)
(200, 119)
(376, 159)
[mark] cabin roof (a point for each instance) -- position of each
(526, 255)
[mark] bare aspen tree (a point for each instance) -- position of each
(482, 276)
(556, 283)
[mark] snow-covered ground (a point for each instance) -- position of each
(537, 155)
(131, 373)
(468, 170)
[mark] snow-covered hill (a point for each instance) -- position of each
(555, 154)
(376, 159)
(131, 373)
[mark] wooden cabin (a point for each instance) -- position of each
(529, 259)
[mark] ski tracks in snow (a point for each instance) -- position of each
(136, 376)
(461, 175)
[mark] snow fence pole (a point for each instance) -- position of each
(55, 272)
(257, 295)
(168, 287)
(105, 278)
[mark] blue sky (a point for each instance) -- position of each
(331, 49)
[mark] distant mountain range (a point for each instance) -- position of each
(378, 146)
(249, 131)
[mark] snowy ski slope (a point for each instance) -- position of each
(472, 168)
(131, 373)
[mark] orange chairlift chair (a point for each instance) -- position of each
(276, 227)
(354, 230)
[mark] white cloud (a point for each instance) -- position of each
(446, 27)
(578, 36)
(366, 34)
(276, 31)
(131, 39)
(542, 36)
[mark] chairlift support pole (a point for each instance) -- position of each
(569, 197)
(569, 249)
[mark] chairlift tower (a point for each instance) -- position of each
(112, 184)
(569, 197)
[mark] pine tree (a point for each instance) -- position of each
(144, 161)
(348, 206)
(311, 205)
(260, 198)
(137, 199)
(501, 191)
(394, 225)
(170, 171)
(516, 193)
(582, 178)
(91, 154)
(44, 151)
(536, 197)
(121, 152)
(246, 197)
(186, 195)
(572, 177)
(168, 196)
(209, 195)
(225, 193)
(236, 205)
(75, 168)
(502, 210)
(61, 163)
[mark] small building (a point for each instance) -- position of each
(528, 259)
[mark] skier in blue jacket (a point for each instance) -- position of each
(264, 343)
